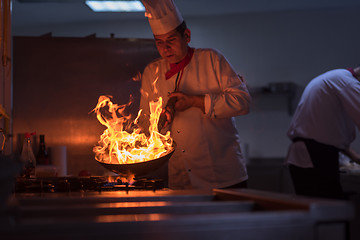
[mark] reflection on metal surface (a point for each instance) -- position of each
(131, 217)
(131, 204)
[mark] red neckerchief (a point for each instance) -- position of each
(177, 67)
(352, 72)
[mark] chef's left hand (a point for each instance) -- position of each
(356, 159)
(354, 156)
(185, 101)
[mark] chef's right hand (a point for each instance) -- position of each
(167, 114)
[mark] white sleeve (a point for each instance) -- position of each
(233, 99)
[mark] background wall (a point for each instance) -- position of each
(289, 46)
(57, 83)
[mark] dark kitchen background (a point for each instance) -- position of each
(65, 56)
(59, 57)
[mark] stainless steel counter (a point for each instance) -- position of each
(166, 214)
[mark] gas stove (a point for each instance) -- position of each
(84, 184)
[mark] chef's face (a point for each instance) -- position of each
(173, 46)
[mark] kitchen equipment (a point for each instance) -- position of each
(9, 168)
(71, 185)
(166, 214)
(59, 159)
(141, 168)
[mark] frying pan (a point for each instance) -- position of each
(141, 168)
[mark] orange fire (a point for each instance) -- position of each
(128, 179)
(123, 141)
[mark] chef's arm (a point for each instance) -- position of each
(230, 96)
(233, 101)
(198, 101)
(230, 103)
(354, 156)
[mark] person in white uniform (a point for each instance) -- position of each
(324, 124)
(208, 94)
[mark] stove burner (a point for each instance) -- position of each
(78, 184)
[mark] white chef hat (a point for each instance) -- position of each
(163, 15)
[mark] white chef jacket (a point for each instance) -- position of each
(328, 112)
(208, 153)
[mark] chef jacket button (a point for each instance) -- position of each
(183, 150)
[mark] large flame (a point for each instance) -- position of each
(123, 142)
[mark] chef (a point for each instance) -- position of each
(208, 94)
(324, 124)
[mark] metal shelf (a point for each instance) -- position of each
(286, 89)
